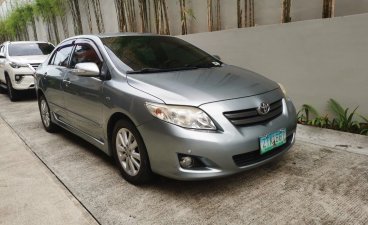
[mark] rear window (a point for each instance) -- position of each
(24, 49)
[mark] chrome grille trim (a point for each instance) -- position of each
(250, 116)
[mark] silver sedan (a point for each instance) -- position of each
(160, 105)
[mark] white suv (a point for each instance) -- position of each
(18, 61)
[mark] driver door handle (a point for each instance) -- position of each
(67, 82)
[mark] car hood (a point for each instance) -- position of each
(28, 59)
(200, 86)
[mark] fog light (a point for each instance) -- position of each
(18, 77)
(186, 162)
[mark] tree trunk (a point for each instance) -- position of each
(143, 15)
(161, 17)
(120, 10)
(246, 17)
(218, 15)
(56, 30)
(251, 13)
(49, 28)
(130, 14)
(286, 5)
(98, 15)
(63, 17)
(25, 33)
(34, 28)
(209, 15)
(167, 27)
(74, 7)
(89, 16)
(157, 19)
(183, 16)
(239, 14)
(328, 8)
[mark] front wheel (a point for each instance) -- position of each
(130, 153)
(46, 115)
(13, 94)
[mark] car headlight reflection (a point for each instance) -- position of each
(184, 116)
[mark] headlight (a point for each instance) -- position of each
(17, 65)
(282, 88)
(184, 116)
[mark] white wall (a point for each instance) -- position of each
(315, 60)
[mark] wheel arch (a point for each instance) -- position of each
(115, 117)
(40, 93)
(6, 74)
(147, 175)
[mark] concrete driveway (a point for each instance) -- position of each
(313, 183)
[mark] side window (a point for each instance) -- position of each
(2, 49)
(61, 57)
(85, 53)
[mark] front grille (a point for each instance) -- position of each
(250, 116)
(255, 156)
(35, 65)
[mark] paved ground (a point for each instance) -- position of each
(29, 192)
(317, 182)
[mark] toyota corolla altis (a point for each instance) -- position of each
(159, 105)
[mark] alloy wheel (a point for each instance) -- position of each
(128, 151)
(45, 113)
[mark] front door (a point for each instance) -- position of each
(83, 95)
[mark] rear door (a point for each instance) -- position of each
(52, 78)
(83, 95)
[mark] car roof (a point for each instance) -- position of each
(96, 37)
(105, 35)
(126, 34)
(27, 42)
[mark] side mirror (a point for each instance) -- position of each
(217, 57)
(87, 69)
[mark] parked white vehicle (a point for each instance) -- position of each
(18, 61)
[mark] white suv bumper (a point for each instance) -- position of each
(25, 79)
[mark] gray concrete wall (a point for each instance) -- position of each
(315, 60)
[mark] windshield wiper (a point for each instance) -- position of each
(158, 70)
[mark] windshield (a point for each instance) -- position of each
(25, 49)
(158, 53)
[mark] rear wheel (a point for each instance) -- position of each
(130, 153)
(46, 115)
(13, 94)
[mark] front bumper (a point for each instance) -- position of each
(165, 141)
(27, 82)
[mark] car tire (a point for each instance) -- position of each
(12, 93)
(130, 153)
(3, 87)
(46, 115)
(3, 90)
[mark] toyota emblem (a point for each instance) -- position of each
(263, 108)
